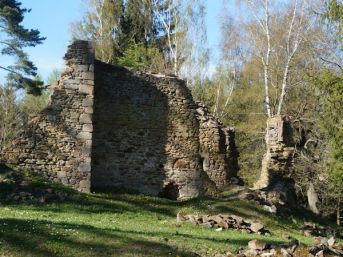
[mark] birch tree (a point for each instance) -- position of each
(168, 15)
(194, 51)
(230, 63)
(291, 34)
(183, 31)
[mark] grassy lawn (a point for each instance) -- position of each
(121, 224)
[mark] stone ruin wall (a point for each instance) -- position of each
(57, 143)
(217, 148)
(278, 160)
(147, 134)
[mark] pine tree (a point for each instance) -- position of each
(138, 25)
(14, 37)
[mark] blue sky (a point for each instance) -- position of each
(52, 19)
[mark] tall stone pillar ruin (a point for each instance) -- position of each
(278, 160)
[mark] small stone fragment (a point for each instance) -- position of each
(257, 245)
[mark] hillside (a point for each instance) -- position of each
(38, 218)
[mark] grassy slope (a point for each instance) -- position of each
(121, 224)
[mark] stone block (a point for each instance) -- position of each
(84, 167)
(61, 174)
(64, 181)
(88, 102)
(84, 185)
(85, 118)
(89, 110)
(87, 128)
(89, 82)
(74, 115)
(81, 67)
(71, 85)
(86, 150)
(86, 89)
(84, 135)
(88, 75)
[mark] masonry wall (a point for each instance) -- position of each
(278, 160)
(146, 134)
(217, 148)
(57, 143)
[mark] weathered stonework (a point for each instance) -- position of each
(217, 148)
(56, 143)
(278, 161)
(110, 127)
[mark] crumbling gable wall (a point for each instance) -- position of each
(146, 134)
(57, 143)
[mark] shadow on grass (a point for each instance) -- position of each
(77, 203)
(43, 238)
(15, 182)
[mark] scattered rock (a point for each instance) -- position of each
(257, 245)
(311, 229)
(224, 222)
(256, 227)
(181, 217)
(324, 248)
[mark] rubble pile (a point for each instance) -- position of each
(323, 248)
(224, 221)
(311, 229)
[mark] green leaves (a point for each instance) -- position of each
(14, 37)
(139, 56)
(330, 85)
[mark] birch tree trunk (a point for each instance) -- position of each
(282, 36)
(266, 61)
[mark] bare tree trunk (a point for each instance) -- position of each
(99, 16)
(176, 48)
(167, 24)
(290, 53)
(266, 62)
(216, 106)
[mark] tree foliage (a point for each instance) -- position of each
(9, 115)
(14, 38)
(142, 33)
(101, 25)
(331, 86)
(138, 56)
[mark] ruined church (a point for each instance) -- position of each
(109, 127)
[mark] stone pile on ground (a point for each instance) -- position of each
(323, 248)
(274, 201)
(311, 229)
(36, 195)
(326, 247)
(224, 221)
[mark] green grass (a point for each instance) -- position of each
(121, 224)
